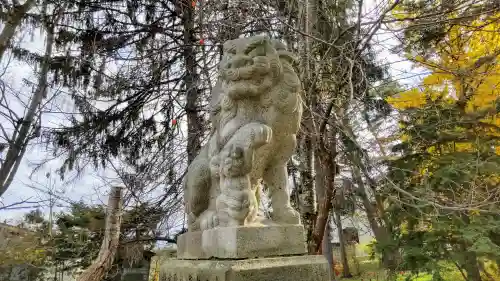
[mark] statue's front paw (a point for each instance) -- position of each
(209, 220)
(262, 136)
(285, 215)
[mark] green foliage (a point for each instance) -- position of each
(444, 183)
(81, 230)
(23, 248)
(34, 216)
(445, 159)
(79, 235)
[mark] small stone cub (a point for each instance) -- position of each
(237, 202)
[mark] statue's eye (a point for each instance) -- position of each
(231, 51)
(258, 51)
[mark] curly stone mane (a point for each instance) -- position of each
(285, 82)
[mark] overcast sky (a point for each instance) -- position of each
(34, 189)
(90, 186)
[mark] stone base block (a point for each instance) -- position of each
(242, 242)
(298, 268)
(189, 246)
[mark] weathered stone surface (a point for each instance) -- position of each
(303, 268)
(242, 242)
(189, 246)
(255, 112)
(254, 242)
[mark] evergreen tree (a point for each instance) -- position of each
(448, 164)
(77, 239)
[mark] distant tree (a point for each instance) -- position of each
(79, 234)
(427, 22)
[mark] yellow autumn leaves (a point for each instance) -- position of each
(465, 65)
(465, 72)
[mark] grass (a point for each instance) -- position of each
(371, 271)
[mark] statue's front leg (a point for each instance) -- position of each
(275, 178)
(208, 219)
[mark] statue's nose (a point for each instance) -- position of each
(240, 61)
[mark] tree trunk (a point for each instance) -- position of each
(307, 192)
(328, 250)
(326, 157)
(307, 21)
(320, 174)
(471, 266)
(346, 272)
(320, 178)
(378, 199)
(13, 21)
(390, 254)
(102, 264)
(191, 79)
(21, 135)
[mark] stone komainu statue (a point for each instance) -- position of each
(255, 111)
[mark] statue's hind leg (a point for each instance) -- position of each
(197, 187)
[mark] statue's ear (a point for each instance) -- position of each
(288, 56)
(280, 47)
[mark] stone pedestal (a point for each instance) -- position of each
(242, 242)
(245, 253)
(299, 268)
